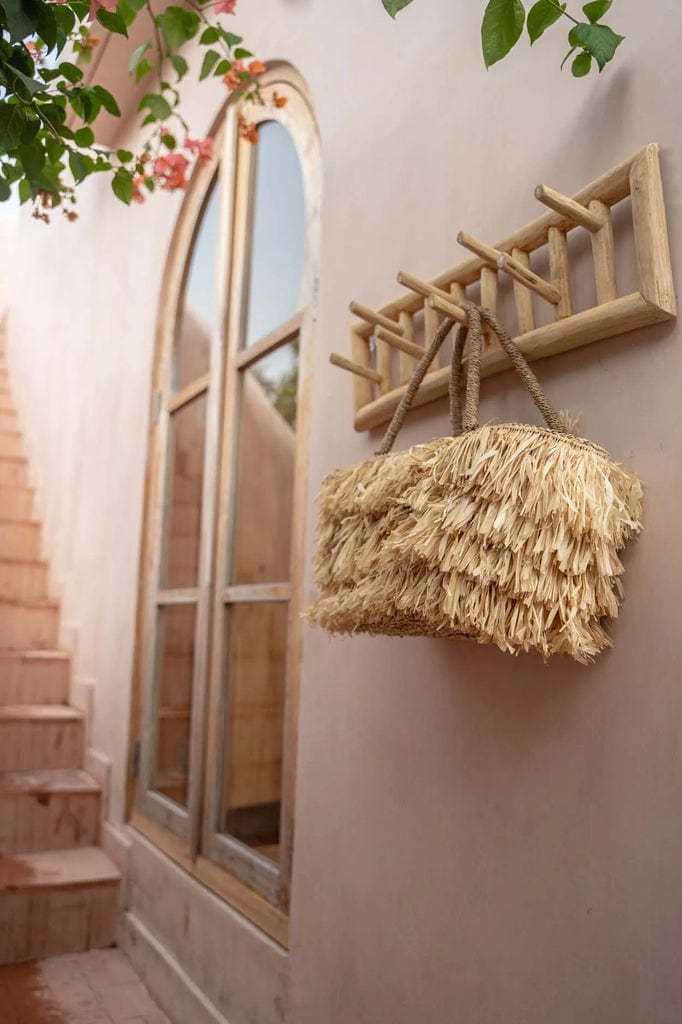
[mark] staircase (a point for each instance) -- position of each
(58, 890)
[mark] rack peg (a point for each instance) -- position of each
(529, 279)
(360, 371)
(568, 207)
(396, 341)
(445, 306)
(371, 316)
(415, 284)
(485, 252)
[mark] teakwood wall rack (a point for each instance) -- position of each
(377, 332)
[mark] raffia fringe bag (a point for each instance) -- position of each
(504, 533)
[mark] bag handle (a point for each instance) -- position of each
(465, 418)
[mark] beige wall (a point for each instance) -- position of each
(479, 839)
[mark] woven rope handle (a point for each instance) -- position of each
(464, 417)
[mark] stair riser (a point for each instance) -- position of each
(23, 628)
(29, 745)
(8, 419)
(13, 473)
(10, 445)
(25, 581)
(34, 681)
(16, 503)
(51, 922)
(20, 540)
(32, 822)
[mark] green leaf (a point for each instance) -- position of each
(46, 24)
(64, 17)
(137, 56)
(80, 8)
(5, 191)
(211, 57)
(568, 55)
(158, 107)
(230, 38)
(25, 191)
(180, 64)
(178, 26)
(394, 6)
(582, 65)
(21, 19)
(501, 30)
(33, 85)
(541, 16)
(54, 148)
(70, 72)
(107, 100)
(596, 10)
(599, 40)
(169, 141)
(124, 155)
(32, 158)
(112, 22)
(210, 35)
(84, 137)
(122, 185)
(80, 166)
(241, 54)
(142, 69)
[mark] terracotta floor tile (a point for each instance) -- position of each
(88, 988)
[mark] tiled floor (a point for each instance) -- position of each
(85, 988)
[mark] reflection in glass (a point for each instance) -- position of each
(265, 471)
(197, 311)
(278, 234)
(254, 724)
(175, 663)
(182, 512)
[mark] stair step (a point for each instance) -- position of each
(56, 902)
(8, 419)
(19, 540)
(13, 472)
(47, 810)
(35, 736)
(16, 503)
(11, 443)
(23, 580)
(28, 625)
(34, 677)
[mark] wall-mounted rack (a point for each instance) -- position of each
(379, 381)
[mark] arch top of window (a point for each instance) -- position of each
(276, 182)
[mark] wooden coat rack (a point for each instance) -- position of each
(377, 332)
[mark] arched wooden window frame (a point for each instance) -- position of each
(258, 889)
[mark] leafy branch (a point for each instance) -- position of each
(504, 21)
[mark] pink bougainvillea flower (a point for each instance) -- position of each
(203, 148)
(256, 67)
(279, 101)
(138, 194)
(248, 130)
(171, 171)
(225, 6)
(232, 79)
(108, 5)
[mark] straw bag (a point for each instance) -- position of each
(504, 533)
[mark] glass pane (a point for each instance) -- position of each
(278, 234)
(182, 512)
(265, 470)
(175, 663)
(197, 309)
(254, 724)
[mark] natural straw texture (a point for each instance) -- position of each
(507, 534)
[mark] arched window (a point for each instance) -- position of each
(221, 575)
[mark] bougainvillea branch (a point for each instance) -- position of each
(47, 142)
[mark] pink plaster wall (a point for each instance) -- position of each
(480, 839)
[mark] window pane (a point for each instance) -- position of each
(265, 471)
(197, 309)
(254, 724)
(185, 479)
(278, 234)
(175, 663)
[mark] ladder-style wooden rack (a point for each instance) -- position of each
(379, 381)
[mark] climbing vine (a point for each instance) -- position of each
(49, 103)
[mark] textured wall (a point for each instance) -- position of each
(479, 839)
